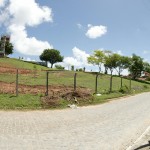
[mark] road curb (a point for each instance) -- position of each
(139, 139)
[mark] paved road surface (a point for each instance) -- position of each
(111, 126)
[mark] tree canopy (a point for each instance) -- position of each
(136, 66)
(51, 55)
(97, 58)
(122, 63)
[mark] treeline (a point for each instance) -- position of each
(113, 61)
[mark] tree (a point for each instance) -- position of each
(72, 68)
(122, 63)
(136, 66)
(51, 55)
(97, 58)
(111, 62)
(8, 47)
(146, 67)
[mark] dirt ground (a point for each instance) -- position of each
(55, 93)
(11, 70)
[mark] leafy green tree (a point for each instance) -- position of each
(8, 48)
(51, 55)
(97, 58)
(107, 53)
(111, 62)
(122, 63)
(136, 66)
(72, 68)
(146, 67)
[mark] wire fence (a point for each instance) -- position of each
(22, 81)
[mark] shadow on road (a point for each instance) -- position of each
(143, 146)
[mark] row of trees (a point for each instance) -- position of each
(113, 61)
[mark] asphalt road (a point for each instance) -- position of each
(110, 126)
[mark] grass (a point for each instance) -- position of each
(8, 101)
(86, 80)
(16, 63)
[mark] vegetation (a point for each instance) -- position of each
(51, 55)
(8, 101)
(59, 67)
(114, 61)
(136, 66)
(63, 80)
(97, 58)
(8, 47)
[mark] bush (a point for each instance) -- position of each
(124, 89)
(145, 86)
(59, 67)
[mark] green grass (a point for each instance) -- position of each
(26, 101)
(16, 63)
(86, 80)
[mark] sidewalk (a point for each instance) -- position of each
(143, 142)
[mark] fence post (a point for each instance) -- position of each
(96, 84)
(75, 81)
(121, 81)
(47, 73)
(130, 83)
(17, 82)
(111, 83)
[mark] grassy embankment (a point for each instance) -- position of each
(87, 80)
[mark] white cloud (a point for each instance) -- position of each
(96, 31)
(80, 55)
(79, 58)
(28, 12)
(16, 16)
(2, 3)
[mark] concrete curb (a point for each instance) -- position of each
(139, 140)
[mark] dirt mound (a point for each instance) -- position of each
(82, 94)
(72, 97)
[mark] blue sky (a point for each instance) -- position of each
(77, 27)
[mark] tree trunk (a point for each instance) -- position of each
(46, 64)
(51, 65)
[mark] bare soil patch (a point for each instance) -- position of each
(11, 70)
(56, 93)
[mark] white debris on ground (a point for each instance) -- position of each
(73, 106)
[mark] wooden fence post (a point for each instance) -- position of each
(130, 84)
(111, 83)
(121, 81)
(47, 73)
(17, 82)
(75, 81)
(96, 84)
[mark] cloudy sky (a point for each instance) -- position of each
(76, 27)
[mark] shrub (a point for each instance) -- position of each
(59, 67)
(124, 89)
